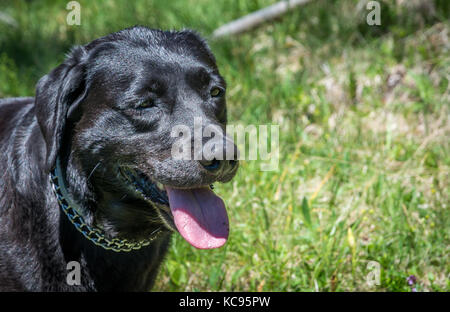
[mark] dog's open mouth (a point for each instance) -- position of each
(198, 214)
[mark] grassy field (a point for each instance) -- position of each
(364, 137)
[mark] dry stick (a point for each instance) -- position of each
(254, 19)
(5, 18)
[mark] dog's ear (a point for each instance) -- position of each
(58, 94)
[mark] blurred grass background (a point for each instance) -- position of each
(364, 134)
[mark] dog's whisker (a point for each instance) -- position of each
(92, 172)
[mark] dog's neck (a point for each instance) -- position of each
(91, 232)
(135, 269)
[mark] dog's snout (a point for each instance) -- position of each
(227, 165)
(219, 155)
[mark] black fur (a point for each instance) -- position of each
(86, 113)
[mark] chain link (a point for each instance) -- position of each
(96, 235)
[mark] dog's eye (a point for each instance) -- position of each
(216, 92)
(146, 104)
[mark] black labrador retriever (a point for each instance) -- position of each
(87, 173)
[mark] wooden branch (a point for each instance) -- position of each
(256, 18)
(5, 18)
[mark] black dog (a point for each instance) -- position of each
(86, 172)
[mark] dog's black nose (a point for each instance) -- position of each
(214, 165)
(228, 164)
(211, 165)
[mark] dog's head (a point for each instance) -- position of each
(112, 108)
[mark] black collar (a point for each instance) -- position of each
(92, 233)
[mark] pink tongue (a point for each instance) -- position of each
(200, 216)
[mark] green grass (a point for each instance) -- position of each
(364, 134)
